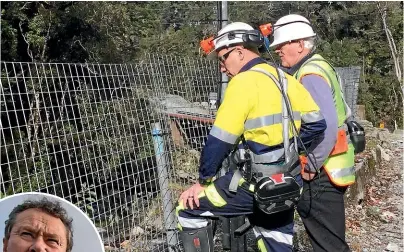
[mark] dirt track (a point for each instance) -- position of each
(377, 223)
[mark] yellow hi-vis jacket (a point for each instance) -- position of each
(339, 167)
(252, 106)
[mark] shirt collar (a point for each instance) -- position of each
(292, 70)
(252, 63)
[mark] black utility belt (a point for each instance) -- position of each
(260, 171)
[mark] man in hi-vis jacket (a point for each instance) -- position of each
(321, 205)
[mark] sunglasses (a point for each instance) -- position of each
(224, 57)
(287, 43)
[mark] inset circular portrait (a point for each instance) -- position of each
(43, 222)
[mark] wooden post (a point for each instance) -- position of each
(178, 138)
(360, 112)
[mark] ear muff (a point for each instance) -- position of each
(253, 38)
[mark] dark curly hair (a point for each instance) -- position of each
(52, 208)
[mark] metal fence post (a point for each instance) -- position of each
(168, 210)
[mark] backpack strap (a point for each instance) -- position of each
(282, 85)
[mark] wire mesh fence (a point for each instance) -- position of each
(350, 77)
(120, 141)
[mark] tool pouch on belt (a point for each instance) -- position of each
(279, 191)
(275, 188)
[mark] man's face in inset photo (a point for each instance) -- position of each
(36, 231)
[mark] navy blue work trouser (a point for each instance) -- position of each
(321, 208)
(273, 232)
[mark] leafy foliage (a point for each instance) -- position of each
(350, 33)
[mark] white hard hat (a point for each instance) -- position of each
(231, 34)
(291, 27)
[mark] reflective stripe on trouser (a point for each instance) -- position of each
(341, 168)
(273, 231)
(279, 239)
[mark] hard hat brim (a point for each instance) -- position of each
(275, 43)
(278, 42)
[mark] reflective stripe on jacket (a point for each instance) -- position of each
(341, 167)
(252, 106)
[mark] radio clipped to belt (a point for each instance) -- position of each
(357, 136)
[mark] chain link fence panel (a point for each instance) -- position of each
(350, 77)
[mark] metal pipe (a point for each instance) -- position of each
(224, 20)
(170, 221)
(224, 79)
(229, 225)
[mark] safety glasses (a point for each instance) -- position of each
(279, 47)
(224, 57)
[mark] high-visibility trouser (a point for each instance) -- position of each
(273, 232)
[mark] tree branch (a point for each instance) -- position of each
(90, 53)
(24, 6)
(36, 126)
(26, 41)
(392, 45)
(79, 42)
(46, 37)
(62, 107)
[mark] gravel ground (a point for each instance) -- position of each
(377, 223)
